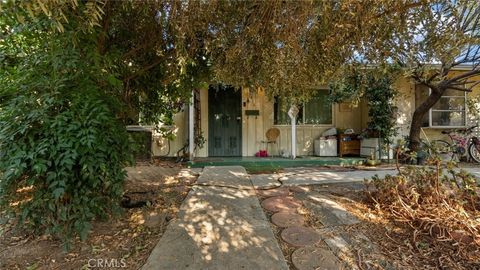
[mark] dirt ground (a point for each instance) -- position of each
(125, 241)
(128, 240)
(388, 244)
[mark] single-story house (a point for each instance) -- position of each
(234, 122)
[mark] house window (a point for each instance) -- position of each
(449, 111)
(317, 111)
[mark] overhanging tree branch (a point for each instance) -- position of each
(144, 69)
(462, 76)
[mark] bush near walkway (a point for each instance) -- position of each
(62, 147)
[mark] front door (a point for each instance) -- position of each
(224, 121)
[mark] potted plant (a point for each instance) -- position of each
(372, 161)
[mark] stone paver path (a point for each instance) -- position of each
(287, 219)
(311, 257)
(281, 203)
(219, 227)
(299, 236)
(221, 224)
(281, 191)
(329, 211)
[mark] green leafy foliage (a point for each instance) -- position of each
(287, 48)
(380, 97)
(156, 80)
(67, 154)
(140, 143)
(63, 147)
(376, 87)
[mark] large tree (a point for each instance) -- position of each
(72, 71)
(435, 39)
(285, 47)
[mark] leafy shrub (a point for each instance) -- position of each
(63, 147)
(62, 158)
(376, 87)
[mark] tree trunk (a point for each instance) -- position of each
(102, 37)
(418, 115)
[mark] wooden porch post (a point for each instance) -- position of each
(191, 124)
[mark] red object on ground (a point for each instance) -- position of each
(261, 153)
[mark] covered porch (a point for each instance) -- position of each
(258, 164)
(236, 125)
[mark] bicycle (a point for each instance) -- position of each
(462, 141)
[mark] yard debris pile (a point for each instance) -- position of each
(438, 206)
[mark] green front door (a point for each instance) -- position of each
(224, 121)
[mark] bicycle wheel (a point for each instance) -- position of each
(441, 149)
(474, 152)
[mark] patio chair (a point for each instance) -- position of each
(272, 136)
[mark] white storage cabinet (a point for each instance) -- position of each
(325, 147)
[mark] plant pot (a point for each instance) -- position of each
(372, 162)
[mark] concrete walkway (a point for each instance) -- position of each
(313, 176)
(219, 227)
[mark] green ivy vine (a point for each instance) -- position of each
(376, 87)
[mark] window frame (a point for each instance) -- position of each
(447, 127)
(302, 123)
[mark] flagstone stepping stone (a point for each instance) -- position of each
(330, 212)
(282, 191)
(300, 236)
(287, 219)
(281, 203)
(312, 258)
